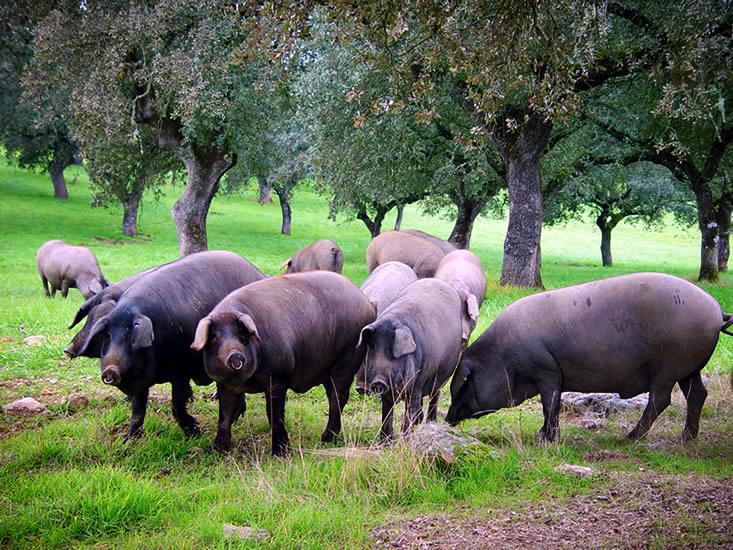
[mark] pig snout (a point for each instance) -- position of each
(111, 376)
(235, 360)
(379, 386)
(69, 351)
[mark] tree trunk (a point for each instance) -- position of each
(59, 183)
(708, 225)
(522, 255)
(374, 226)
(287, 213)
(723, 218)
(606, 257)
(400, 214)
(467, 212)
(131, 205)
(204, 166)
(265, 190)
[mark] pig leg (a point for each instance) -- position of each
(387, 430)
(659, 399)
(139, 406)
(433, 406)
(181, 389)
(413, 411)
(695, 393)
(64, 288)
(338, 394)
(45, 286)
(230, 407)
(550, 397)
(280, 440)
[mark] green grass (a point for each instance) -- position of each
(66, 478)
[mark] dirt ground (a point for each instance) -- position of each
(636, 510)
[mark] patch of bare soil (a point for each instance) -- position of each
(637, 511)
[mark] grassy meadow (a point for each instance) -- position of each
(67, 479)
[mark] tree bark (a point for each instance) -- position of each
(59, 183)
(265, 190)
(374, 226)
(606, 256)
(287, 212)
(467, 212)
(204, 166)
(131, 205)
(723, 215)
(707, 222)
(400, 214)
(522, 254)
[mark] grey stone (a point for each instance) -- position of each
(34, 340)
(433, 440)
(242, 532)
(573, 469)
(27, 405)
(601, 403)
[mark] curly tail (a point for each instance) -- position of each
(727, 322)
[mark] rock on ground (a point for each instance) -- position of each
(34, 340)
(27, 405)
(241, 532)
(433, 440)
(601, 403)
(572, 469)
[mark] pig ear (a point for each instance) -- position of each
(287, 264)
(95, 287)
(472, 306)
(83, 311)
(403, 343)
(202, 334)
(142, 332)
(460, 377)
(95, 333)
(249, 323)
(365, 335)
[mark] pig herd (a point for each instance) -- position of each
(213, 316)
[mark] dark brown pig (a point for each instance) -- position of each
(65, 266)
(412, 349)
(632, 334)
(421, 255)
(145, 339)
(288, 332)
(94, 309)
(322, 255)
(382, 287)
(463, 271)
(445, 246)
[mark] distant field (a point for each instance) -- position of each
(66, 479)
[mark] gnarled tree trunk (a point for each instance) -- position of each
(374, 226)
(467, 212)
(59, 183)
(723, 215)
(286, 211)
(522, 255)
(265, 190)
(131, 204)
(400, 215)
(708, 225)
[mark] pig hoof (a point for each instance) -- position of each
(221, 446)
(329, 437)
(192, 430)
(281, 450)
(133, 434)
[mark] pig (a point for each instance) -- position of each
(322, 255)
(630, 334)
(65, 266)
(463, 271)
(445, 246)
(94, 309)
(412, 349)
(292, 332)
(382, 288)
(145, 338)
(421, 255)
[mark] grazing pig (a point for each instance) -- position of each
(94, 309)
(382, 288)
(289, 332)
(421, 255)
(66, 266)
(629, 335)
(322, 255)
(412, 349)
(463, 271)
(145, 339)
(445, 246)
